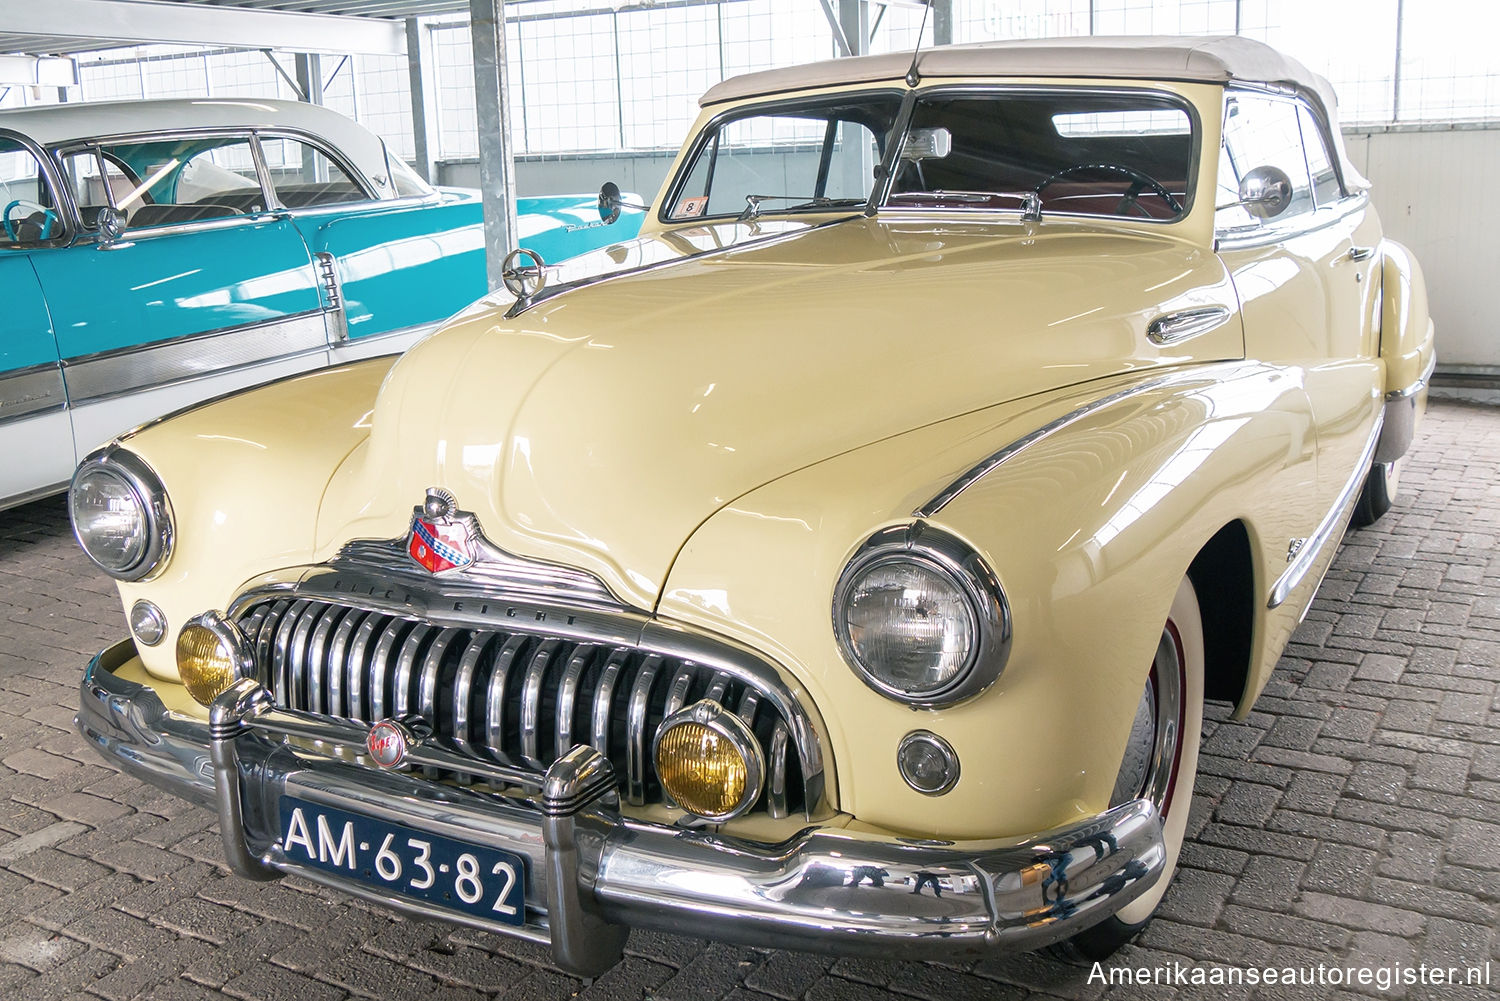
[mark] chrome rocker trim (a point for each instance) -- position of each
(1331, 528)
(593, 873)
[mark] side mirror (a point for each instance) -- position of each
(927, 144)
(1265, 192)
(610, 203)
(111, 225)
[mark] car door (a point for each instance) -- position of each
(395, 267)
(35, 436)
(1305, 289)
(204, 291)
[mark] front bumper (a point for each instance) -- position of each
(594, 873)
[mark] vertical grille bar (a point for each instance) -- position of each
(678, 694)
(494, 716)
(403, 701)
(432, 668)
(355, 667)
(265, 643)
(567, 695)
(280, 669)
(317, 646)
(382, 667)
(637, 746)
(337, 704)
(297, 696)
(776, 792)
(531, 703)
(604, 697)
(464, 687)
(749, 703)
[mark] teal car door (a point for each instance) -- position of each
(35, 436)
(395, 266)
(203, 291)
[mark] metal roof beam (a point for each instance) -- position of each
(133, 22)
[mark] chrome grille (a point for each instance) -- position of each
(521, 699)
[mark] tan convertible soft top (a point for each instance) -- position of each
(1205, 59)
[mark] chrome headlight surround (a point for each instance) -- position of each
(953, 560)
(145, 488)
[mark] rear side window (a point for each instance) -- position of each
(303, 176)
(1260, 132)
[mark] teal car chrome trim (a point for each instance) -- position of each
(1330, 529)
(109, 374)
(30, 391)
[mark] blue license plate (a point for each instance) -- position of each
(474, 879)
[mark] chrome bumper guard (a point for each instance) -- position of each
(594, 873)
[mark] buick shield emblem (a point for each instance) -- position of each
(387, 743)
(438, 544)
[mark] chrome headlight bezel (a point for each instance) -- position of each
(131, 471)
(935, 551)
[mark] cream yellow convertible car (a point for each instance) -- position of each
(842, 565)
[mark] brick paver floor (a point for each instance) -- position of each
(1352, 821)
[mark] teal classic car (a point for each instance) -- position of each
(154, 254)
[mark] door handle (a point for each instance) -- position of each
(1361, 253)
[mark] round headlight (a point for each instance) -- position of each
(120, 515)
(709, 762)
(211, 655)
(920, 617)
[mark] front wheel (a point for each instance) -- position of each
(1160, 764)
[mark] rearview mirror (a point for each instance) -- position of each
(1265, 192)
(927, 144)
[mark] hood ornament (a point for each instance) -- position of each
(523, 280)
(438, 542)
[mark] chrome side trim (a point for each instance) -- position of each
(1299, 225)
(1330, 528)
(109, 374)
(27, 392)
(993, 461)
(1173, 328)
(1401, 417)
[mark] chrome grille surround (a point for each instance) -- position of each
(506, 678)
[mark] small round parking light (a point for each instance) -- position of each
(147, 623)
(927, 763)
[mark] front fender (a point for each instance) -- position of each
(245, 477)
(1089, 529)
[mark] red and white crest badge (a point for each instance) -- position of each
(438, 543)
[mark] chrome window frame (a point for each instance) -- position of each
(371, 195)
(62, 196)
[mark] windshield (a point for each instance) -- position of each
(1070, 151)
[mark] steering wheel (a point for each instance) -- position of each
(48, 218)
(1141, 181)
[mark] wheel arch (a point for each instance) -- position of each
(1223, 575)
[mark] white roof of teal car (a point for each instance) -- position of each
(61, 124)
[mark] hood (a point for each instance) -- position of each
(602, 426)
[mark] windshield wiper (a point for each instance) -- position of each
(752, 203)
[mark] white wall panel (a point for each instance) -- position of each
(1435, 193)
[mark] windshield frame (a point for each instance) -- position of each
(896, 140)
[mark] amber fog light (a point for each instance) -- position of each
(211, 654)
(709, 762)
